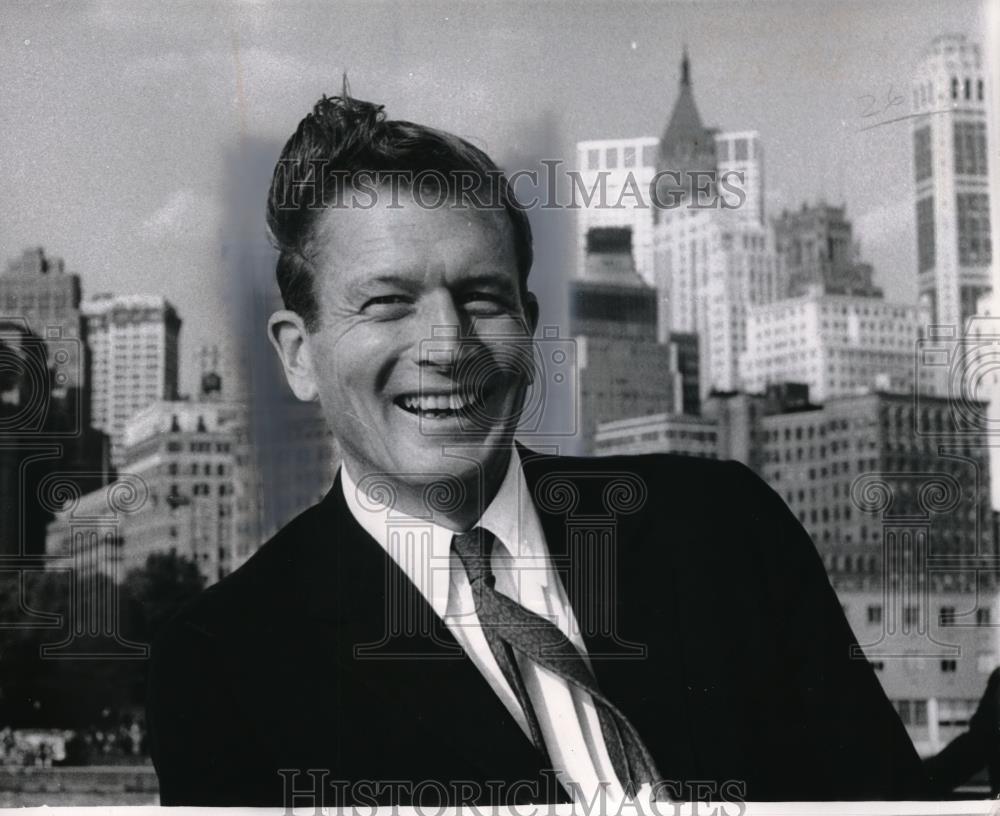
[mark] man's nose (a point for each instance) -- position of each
(445, 328)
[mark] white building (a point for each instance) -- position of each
(932, 655)
(606, 197)
(740, 160)
(663, 433)
(951, 176)
(711, 266)
(839, 345)
(133, 342)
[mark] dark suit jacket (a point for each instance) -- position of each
(720, 638)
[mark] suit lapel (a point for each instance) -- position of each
(406, 660)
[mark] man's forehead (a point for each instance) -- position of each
(353, 233)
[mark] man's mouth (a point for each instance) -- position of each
(440, 406)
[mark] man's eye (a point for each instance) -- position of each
(482, 302)
(385, 301)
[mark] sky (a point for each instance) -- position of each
(123, 122)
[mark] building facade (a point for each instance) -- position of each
(836, 344)
(833, 465)
(38, 290)
(739, 157)
(610, 172)
(623, 370)
(187, 456)
(712, 265)
(133, 341)
(817, 247)
(671, 433)
(951, 181)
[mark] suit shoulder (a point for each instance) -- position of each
(678, 471)
(640, 464)
(684, 484)
(252, 593)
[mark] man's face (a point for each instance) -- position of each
(414, 351)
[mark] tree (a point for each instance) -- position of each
(66, 692)
(157, 590)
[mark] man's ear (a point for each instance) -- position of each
(531, 311)
(290, 339)
(531, 316)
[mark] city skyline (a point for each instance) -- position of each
(132, 195)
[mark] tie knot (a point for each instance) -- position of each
(475, 549)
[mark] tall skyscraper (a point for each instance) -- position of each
(686, 164)
(954, 249)
(711, 266)
(38, 289)
(713, 254)
(133, 341)
(739, 157)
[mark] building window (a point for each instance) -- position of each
(611, 158)
(593, 159)
(954, 87)
(875, 613)
(974, 246)
(922, 153)
(741, 150)
(970, 148)
(946, 617)
(968, 89)
(722, 150)
(979, 90)
(949, 666)
(925, 233)
(982, 617)
(629, 157)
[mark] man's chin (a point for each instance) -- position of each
(460, 456)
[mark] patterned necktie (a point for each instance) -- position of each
(508, 627)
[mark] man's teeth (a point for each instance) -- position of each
(441, 402)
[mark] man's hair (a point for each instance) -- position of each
(346, 139)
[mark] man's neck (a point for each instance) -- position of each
(417, 499)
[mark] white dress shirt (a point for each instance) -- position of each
(524, 572)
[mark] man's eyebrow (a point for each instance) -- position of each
(385, 279)
(496, 280)
(499, 280)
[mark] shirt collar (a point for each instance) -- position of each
(422, 548)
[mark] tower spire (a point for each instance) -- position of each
(685, 68)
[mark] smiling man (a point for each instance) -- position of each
(462, 620)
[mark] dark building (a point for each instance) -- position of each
(37, 290)
(817, 246)
(47, 453)
(685, 346)
(623, 370)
